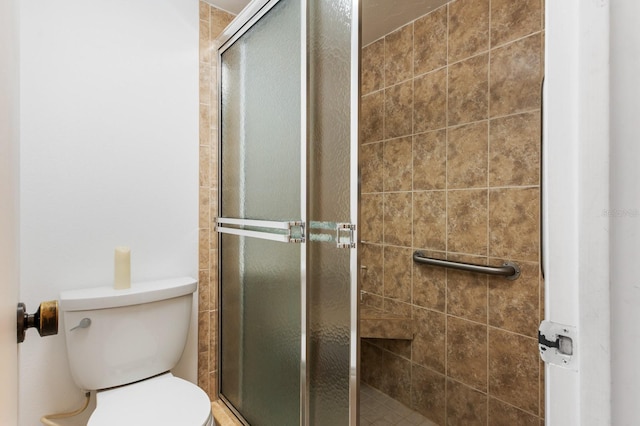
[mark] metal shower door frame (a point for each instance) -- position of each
(238, 27)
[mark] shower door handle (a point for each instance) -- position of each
(282, 231)
(342, 234)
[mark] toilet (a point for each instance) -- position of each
(123, 344)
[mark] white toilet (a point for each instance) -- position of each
(123, 343)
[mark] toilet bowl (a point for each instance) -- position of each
(123, 344)
(161, 400)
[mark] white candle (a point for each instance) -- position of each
(122, 273)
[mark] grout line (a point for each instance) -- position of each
(446, 230)
(488, 204)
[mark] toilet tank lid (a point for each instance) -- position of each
(143, 292)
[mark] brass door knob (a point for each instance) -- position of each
(45, 320)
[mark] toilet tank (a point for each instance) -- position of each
(133, 334)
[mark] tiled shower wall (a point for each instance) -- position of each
(450, 165)
(212, 22)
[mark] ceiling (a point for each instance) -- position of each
(379, 17)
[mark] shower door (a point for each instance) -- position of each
(288, 125)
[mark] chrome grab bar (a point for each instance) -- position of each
(509, 270)
(281, 231)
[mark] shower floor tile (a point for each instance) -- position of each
(378, 409)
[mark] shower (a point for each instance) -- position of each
(450, 165)
(447, 147)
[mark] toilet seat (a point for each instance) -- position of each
(163, 400)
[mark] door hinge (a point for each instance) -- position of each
(345, 235)
(557, 344)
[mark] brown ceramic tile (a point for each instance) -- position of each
(213, 260)
(396, 380)
(370, 362)
(213, 288)
(203, 250)
(372, 300)
(204, 10)
(513, 305)
(371, 160)
(203, 331)
(398, 307)
(372, 114)
(467, 221)
(219, 21)
(205, 50)
(429, 160)
(213, 204)
(397, 218)
(204, 132)
(514, 217)
(513, 369)
(466, 291)
(213, 245)
(468, 90)
(371, 268)
(467, 352)
(465, 406)
(467, 150)
(381, 327)
(399, 347)
(398, 164)
(501, 414)
(213, 86)
(203, 370)
(371, 217)
(213, 122)
(430, 41)
(213, 179)
(213, 386)
(429, 220)
(205, 83)
(398, 55)
(205, 124)
(428, 393)
(468, 28)
(373, 67)
(511, 20)
(398, 109)
(213, 132)
(514, 153)
(428, 347)
(387, 372)
(204, 207)
(213, 340)
(203, 290)
(430, 101)
(429, 284)
(516, 76)
(205, 165)
(397, 273)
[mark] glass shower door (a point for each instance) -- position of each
(288, 208)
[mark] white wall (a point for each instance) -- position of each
(625, 211)
(9, 134)
(109, 156)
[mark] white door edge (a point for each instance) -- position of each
(9, 268)
(575, 202)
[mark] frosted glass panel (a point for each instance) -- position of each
(260, 327)
(261, 306)
(329, 189)
(260, 334)
(261, 119)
